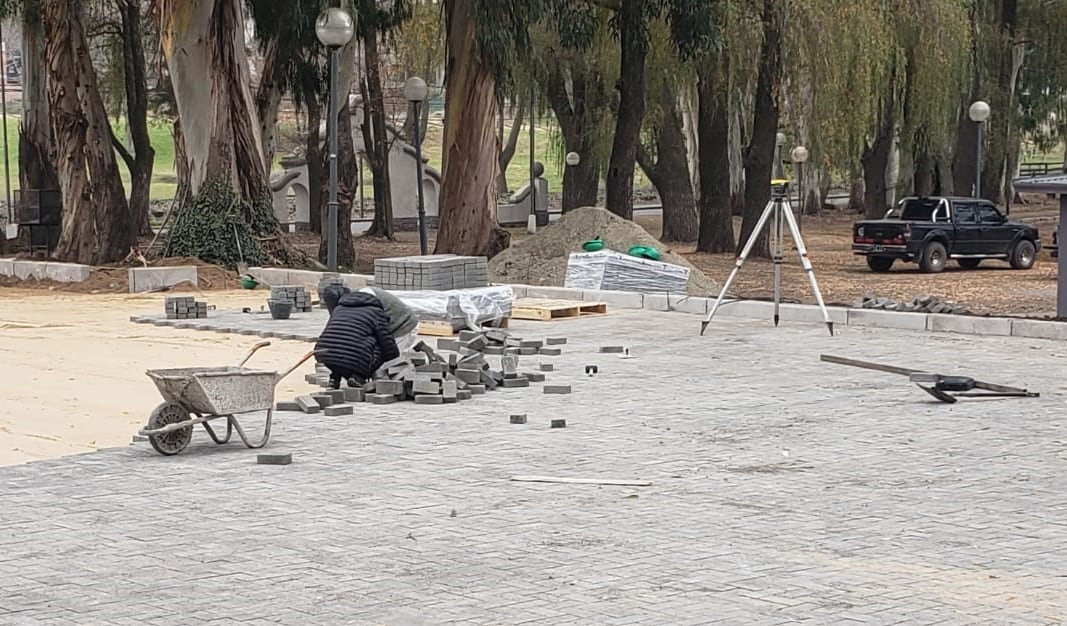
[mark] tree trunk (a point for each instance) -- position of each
(142, 161)
(203, 42)
(737, 156)
(468, 223)
(376, 137)
(511, 142)
(268, 100)
(856, 195)
(346, 167)
(759, 157)
(313, 157)
(96, 219)
(924, 173)
(576, 109)
(965, 157)
(670, 175)
(631, 111)
(36, 154)
(713, 129)
(875, 161)
(999, 135)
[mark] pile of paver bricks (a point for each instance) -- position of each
(436, 272)
(299, 296)
(184, 308)
(426, 376)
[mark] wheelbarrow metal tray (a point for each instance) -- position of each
(217, 390)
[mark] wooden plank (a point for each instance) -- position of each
(436, 329)
(582, 481)
(547, 310)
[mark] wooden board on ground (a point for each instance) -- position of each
(582, 481)
(547, 310)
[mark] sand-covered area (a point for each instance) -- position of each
(72, 366)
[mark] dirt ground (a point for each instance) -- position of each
(73, 366)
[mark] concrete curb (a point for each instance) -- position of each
(45, 270)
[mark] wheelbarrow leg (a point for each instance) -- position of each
(230, 419)
(214, 437)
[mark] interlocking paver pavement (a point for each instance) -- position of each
(785, 491)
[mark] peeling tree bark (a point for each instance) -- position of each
(203, 42)
(141, 161)
(511, 143)
(468, 223)
(36, 152)
(375, 132)
(268, 101)
(576, 111)
(631, 112)
(96, 221)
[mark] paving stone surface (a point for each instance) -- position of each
(785, 491)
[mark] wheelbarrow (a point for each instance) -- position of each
(211, 393)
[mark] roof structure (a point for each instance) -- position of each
(1054, 183)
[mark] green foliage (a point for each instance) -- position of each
(420, 43)
(217, 226)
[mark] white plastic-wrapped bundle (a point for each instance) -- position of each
(463, 308)
(608, 270)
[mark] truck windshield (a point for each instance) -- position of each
(918, 209)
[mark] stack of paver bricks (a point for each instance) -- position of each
(184, 308)
(428, 377)
(299, 296)
(437, 272)
(327, 280)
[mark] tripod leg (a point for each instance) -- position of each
(737, 264)
(802, 250)
(776, 255)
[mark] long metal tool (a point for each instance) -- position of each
(945, 388)
(780, 212)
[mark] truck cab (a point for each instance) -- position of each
(930, 231)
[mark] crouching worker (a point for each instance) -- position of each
(356, 340)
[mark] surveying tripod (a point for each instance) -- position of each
(779, 214)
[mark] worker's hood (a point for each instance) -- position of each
(359, 299)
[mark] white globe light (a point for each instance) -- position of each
(334, 27)
(780, 139)
(415, 89)
(573, 158)
(979, 111)
(799, 154)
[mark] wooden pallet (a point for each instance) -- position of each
(548, 310)
(434, 328)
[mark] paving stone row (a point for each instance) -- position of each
(785, 491)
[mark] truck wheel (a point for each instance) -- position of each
(1023, 255)
(969, 264)
(880, 263)
(933, 257)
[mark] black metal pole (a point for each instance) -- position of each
(423, 244)
(800, 188)
(978, 165)
(3, 111)
(533, 152)
(331, 238)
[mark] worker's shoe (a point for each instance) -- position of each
(355, 382)
(335, 382)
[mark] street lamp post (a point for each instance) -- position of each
(777, 171)
(979, 113)
(334, 29)
(800, 156)
(415, 92)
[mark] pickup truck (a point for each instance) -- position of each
(930, 231)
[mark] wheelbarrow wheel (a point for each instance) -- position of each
(175, 441)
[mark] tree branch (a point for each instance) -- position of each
(121, 149)
(651, 169)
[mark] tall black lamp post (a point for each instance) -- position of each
(979, 113)
(334, 29)
(800, 156)
(415, 92)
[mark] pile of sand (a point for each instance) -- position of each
(542, 258)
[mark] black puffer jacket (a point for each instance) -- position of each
(357, 339)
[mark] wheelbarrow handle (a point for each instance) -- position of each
(298, 364)
(262, 344)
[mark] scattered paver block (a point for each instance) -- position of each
(476, 390)
(337, 395)
(531, 343)
(449, 390)
(561, 423)
(354, 394)
(427, 387)
(308, 404)
(550, 351)
(535, 377)
(555, 341)
(557, 389)
(274, 458)
(493, 350)
(611, 349)
(324, 399)
(463, 394)
(394, 387)
(469, 376)
(478, 343)
(518, 381)
(527, 351)
(447, 344)
(338, 409)
(139, 438)
(547, 367)
(518, 419)
(285, 405)
(382, 398)
(426, 399)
